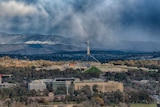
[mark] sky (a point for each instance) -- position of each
(103, 21)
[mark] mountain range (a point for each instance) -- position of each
(28, 44)
(35, 44)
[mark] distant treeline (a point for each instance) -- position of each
(28, 74)
(102, 56)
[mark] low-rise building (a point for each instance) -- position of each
(64, 82)
(112, 68)
(37, 85)
(7, 85)
(41, 84)
(102, 86)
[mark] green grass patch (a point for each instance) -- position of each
(93, 70)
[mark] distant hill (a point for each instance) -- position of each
(29, 44)
(30, 49)
(6, 38)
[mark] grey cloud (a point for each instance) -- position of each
(13, 8)
(103, 21)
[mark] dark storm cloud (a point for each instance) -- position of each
(103, 21)
(145, 13)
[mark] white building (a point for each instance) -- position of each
(37, 85)
(41, 84)
(7, 85)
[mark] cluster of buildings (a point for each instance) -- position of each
(102, 86)
(6, 84)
